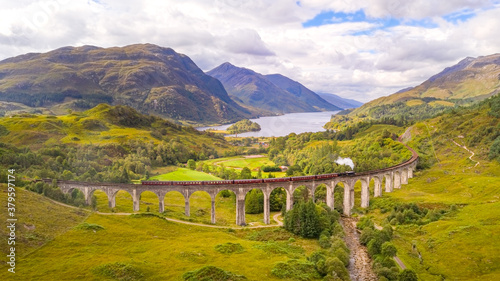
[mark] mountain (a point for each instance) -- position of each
(147, 77)
(301, 92)
(252, 89)
(339, 101)
(470, 79)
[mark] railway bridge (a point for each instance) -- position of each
(394, 177)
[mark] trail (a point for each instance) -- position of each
(275, 218)
(360, 268)
(468, 150)
(396, 258)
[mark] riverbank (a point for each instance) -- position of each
(360, 268)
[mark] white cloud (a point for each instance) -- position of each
(361, 60)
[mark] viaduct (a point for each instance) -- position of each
(394, 176)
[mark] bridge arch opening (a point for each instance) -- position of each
(277, 199)
(200, 204)
(149, 201)
(320, 193)
(338, 197)
(302, 193)
(254, 201)
(123, 201)
(74, 196)
(225, 207)
(101, 199)
(174, 204)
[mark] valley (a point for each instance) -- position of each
(306, 216)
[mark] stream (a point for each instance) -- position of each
(360, 268)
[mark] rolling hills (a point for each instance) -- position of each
(458, 246)
(147, 77)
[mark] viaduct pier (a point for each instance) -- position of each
(394, 176)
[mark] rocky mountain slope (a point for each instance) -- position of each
(301, 92)
(147, 77)
(250, 88)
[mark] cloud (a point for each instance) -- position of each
(364, 58)
(245, 41)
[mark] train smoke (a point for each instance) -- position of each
(345, 161)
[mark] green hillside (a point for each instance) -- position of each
(469, 81)
(61, 243)
(152, 79)
(106, 143)
(460, 245)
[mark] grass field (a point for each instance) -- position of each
(239, 162)
(150, 247)
(462, 244)
(183, 174)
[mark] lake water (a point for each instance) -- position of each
(278, 126)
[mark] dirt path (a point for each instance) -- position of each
(399, 262)
(360, 268)
(275, 218)
(468, 150)
(396, 258)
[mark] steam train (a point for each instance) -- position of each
(250, 181)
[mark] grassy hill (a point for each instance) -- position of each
(147, 77)
(102, 124)
(106, 143)
(459, 246)
(471, 80)
(61, 243)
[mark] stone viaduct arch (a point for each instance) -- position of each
(394, 177)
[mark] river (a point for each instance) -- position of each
(278, 126)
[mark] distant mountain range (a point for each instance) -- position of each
(147, 77)
(339, 101)
(275, 93)
(151, 79)
(470, 79)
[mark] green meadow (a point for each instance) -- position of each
(462, 244)
(65, 243)
(252, 162)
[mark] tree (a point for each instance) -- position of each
(407, 275)
(277, 199)
(388, 249)
(191, 164)
(304, 220)
(254, 202)
(246, 173)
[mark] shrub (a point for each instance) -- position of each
(388, 249)
(337, 266)
(342, 255)
(407, 275)
(389, 273)
(118, 271)
(229, 248)
(211, 273)
(89, 226)
(324, 242)
(296, 270)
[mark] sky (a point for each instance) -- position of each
(353, 48)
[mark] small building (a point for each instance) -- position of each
(284, 168)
